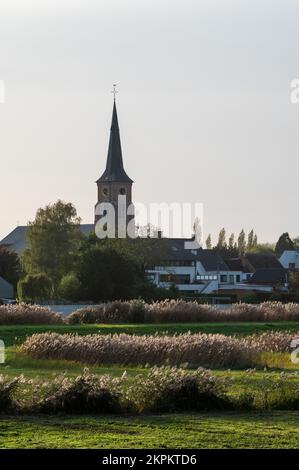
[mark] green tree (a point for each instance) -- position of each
(209, 242)
(70, 288)
(284, 243)
(53, 241)
(293, 278)
(263, 248)
(232, 250)
(242, 242)
(10, 268)
(34, 288)
(107, 274)
(250, 239)
(222, 245)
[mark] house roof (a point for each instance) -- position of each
(211, 260)
(177, 251)
(235, 264)
(6, 289)
(114, 166)
(261, 261)
(16, 240)
(268, 275)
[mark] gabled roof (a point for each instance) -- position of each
(235, 264)
(268, 276)
(177, 251)
(114, 167)
(6, 289)
(16, 240)
(260, 260)
(211, 260)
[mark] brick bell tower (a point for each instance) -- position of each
(115, 185)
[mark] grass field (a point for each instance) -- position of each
(197, 431)
(16, 334)
(210, 430)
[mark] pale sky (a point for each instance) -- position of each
(204, 106)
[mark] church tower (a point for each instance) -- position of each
(115, 185)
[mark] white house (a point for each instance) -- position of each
(290, 259)
(205, 271)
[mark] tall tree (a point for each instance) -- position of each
(106, 274)
(284, 243)
(10, 268)
(250, 239)
(242, 242)
(209, 242)
(232, 250)
(53, 241)
(222, 245)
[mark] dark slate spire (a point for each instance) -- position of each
(114, 166)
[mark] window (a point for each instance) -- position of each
(105, 191)
(207, 277)
(292, 266)
(177, 279)
(238, 278)
(231, 278)
(223, 278)
(179, 263)
(122, 191)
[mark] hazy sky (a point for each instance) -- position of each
(203, 106)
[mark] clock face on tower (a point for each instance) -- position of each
(122, 191)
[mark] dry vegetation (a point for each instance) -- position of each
(137, 311)
(164, 389)
(22, 314)
(177, 311)
(197, 350)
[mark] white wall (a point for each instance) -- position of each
(288, 257)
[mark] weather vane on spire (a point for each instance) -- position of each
(114, 91)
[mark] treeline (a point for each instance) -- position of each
(236, 246)
(61, 263)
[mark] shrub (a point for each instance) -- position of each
(35, 287)
(21, 314)
(86, 394)
(7, 387)
(169, 389)
(214, 351)
(70, 288)
(112, 312)
(177, 311)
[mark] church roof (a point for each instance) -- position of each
(114, 167)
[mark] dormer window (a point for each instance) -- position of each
(122, 191)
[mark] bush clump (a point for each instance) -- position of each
(7, 388)
(22, 314)
(171, 389)
(178, 311)
(86, 394)
(198, 350)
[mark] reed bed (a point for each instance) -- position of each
(197, 350)
(179, 311)
(160, 389)
(22, 314)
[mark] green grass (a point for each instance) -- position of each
(205, 430)
(197, 431)
(16, 334)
